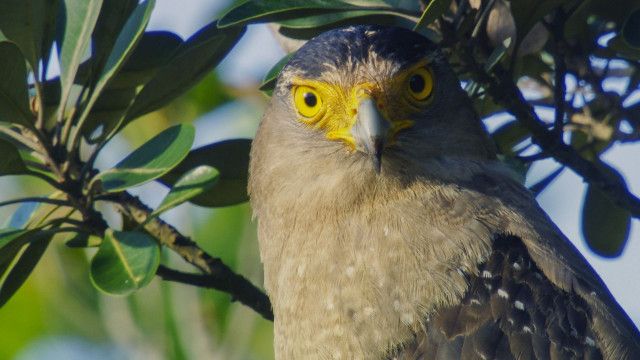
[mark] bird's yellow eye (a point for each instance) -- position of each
(307, 100)
(420, 84)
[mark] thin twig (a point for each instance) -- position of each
(504, 91)
(36, 199)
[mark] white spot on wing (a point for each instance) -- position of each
(519, 305)
(487, 274)
(503, 294)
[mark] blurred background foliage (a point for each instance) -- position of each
(58, 313)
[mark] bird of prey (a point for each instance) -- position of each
(388, 229)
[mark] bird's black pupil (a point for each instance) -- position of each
(416, 83)
(310, 99)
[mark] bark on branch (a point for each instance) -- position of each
(502, 88)
(216, 274)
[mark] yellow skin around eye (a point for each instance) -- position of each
(337, 107)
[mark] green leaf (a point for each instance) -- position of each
(21, 270)
(82, 240)
(191, 62)
(14, 99)
(126, 41)
(11, 241)
(231, 159)
(10, 161)
(527, 13)
(509, 135)
(322, 20)
(80, 19)
(29, 24)
(307, 27)
(605, 225)
(113, 15)
(433, 10)
(125, 262)
(151, 160)
(497, 54)
(154, 50)
(631, 29)
(624, 49)
(269, 82)
(274, 10)
(192, 183)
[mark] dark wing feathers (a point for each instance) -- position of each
(511, 311)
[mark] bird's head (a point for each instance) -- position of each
(377, 91)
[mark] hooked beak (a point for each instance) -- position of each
(370, 131)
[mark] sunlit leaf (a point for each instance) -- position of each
(125, 262)
(21, 270)
(190, 63)
(274, 10)
(14, 100)
(10, 160)
(605, 225)
(151, 160)
(126, 41)
(80, 19)
(231, 159)
(193, 183)
(113, 15)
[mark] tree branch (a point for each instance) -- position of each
(559, 72)
(256, 300)
(219, 276)
(504, 90)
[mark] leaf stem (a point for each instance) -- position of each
(36, 199)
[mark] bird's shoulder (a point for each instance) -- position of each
(534, 296)
(510, 311)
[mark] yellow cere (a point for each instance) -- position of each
(334, 108)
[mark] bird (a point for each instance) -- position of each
(388, 227)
